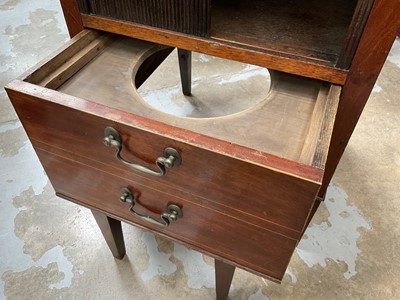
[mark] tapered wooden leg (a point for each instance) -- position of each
(112, 232)
(223, 278)
(185, 67)
(314, 208)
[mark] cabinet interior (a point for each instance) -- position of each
(306, 29)
(323, 33)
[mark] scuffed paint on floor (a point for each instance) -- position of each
(376, 89)
(199, 273)
(159, 263)
(248, 72)
(394, 55)
(13, 184)
(72, 266)
(258, 296)
(337, 237)
(210, 92)
(293, 277)
(18, 34)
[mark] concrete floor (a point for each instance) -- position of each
(350, 250)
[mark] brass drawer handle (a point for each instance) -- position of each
(171, 157)
(172, 213)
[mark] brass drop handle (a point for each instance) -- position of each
(171, 157)
(172, 213)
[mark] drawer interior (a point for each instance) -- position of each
(264, 163)
(293, 120)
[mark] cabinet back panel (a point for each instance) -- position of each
(187, 16)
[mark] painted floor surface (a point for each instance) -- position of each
(349, 251)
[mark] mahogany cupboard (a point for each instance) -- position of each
(240, 188)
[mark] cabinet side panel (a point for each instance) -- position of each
(72, 17)
(357, 25)
(370, 56)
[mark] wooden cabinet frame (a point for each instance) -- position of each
(365, 58)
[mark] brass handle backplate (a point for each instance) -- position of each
(172, 213)
(170, 157)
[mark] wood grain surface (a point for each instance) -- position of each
(223, 278)
(311, 29)
(111, 230)
(242, 206)
(187, 16)
(278, 124)
(354, 33)
(377, 39)
(276, 199)
(72, 16)
(201, 228)
(269, 58)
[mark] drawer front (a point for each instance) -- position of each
(188, 16)
(207, 230)
(273, 199)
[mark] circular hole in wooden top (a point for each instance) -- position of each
(220, 87)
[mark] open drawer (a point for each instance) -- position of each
(262, 166)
